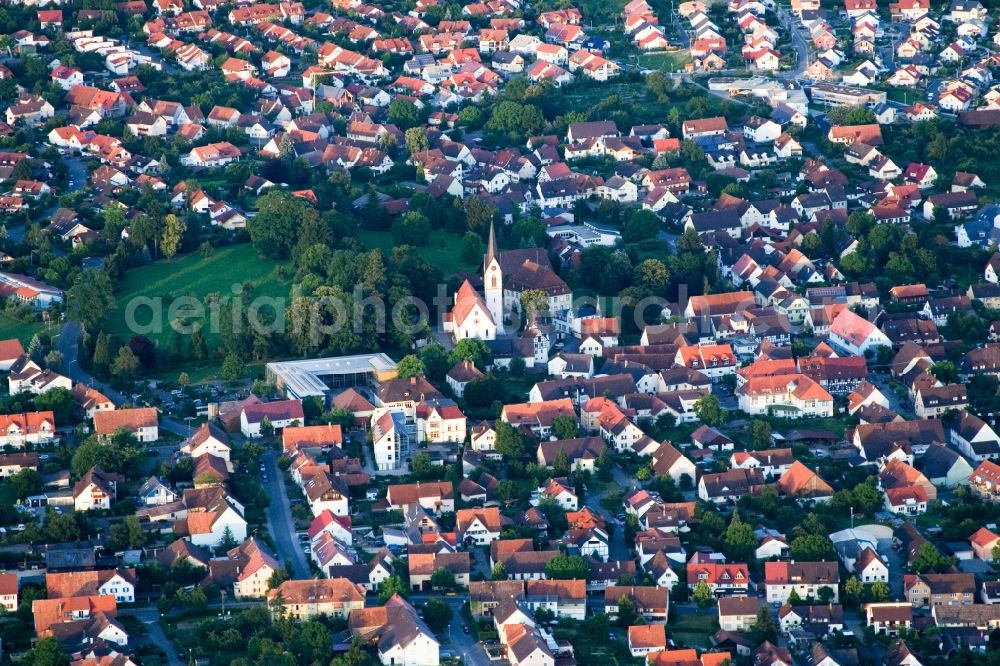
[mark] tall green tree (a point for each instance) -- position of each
(709, 410)
(90, 299)
(173, 233)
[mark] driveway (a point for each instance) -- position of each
(279, 520)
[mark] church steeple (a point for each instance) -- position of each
(491, 249)
(493, 280)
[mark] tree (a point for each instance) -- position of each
(627, 613)
(641, 225)
(483, 391)
(567, 567)
(60, 402)
(812, 548)
(101, 359)
(173, 233)
(509, 442)
(90, 299)
(534, 303)
(279, 576)
(128, 534)
(515, 120)
(228, 540)
(793, 598)
(46, 652)
(478, 214)
(435, 360)
(437, 614)
(442, 579)
(763, 628)
(410, 366)
(472, 248)
(708, 409)
(404, 113)
(233, 368)
(469, 349)
(653, 276)
(565, 426)
(421, 465)
(740, 540)
(126, 364)
(929, 559)
(561, 462)
(702, 594)
(390, 586)
(500, 572)
(760, 434)
(416, 140)
(853, 589)
(61, 527)
(411, 229)
(54, 359)
(25, 483)
(274, 229)
(879, 591)
(825, 594)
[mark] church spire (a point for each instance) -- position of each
(491, 249)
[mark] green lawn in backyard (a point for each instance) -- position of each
(23, 331)
(197, 276)
(692, 630)
(905, 95)
(668, 61)
(443, 250)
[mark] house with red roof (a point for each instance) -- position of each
(855, 334)
(722, 578)
(983, 542)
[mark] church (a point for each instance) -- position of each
(506, 275)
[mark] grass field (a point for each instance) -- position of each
(23, 331)
(196, 276)
(669, 61)
(443, 251)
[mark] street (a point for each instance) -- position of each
(68, 343)
(153, 621)
(279, 520)
(462, 644)
(791, 24)
(617, 549)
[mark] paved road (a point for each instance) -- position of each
(153, 621)
(617, 548)
(279, 520)
(791, 24)
(68, 342)
(462, 644)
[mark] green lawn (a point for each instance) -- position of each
(23, 331)
(671, 61)
(692, 630)
(443, 250)
(904, 95)
(196, 276)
